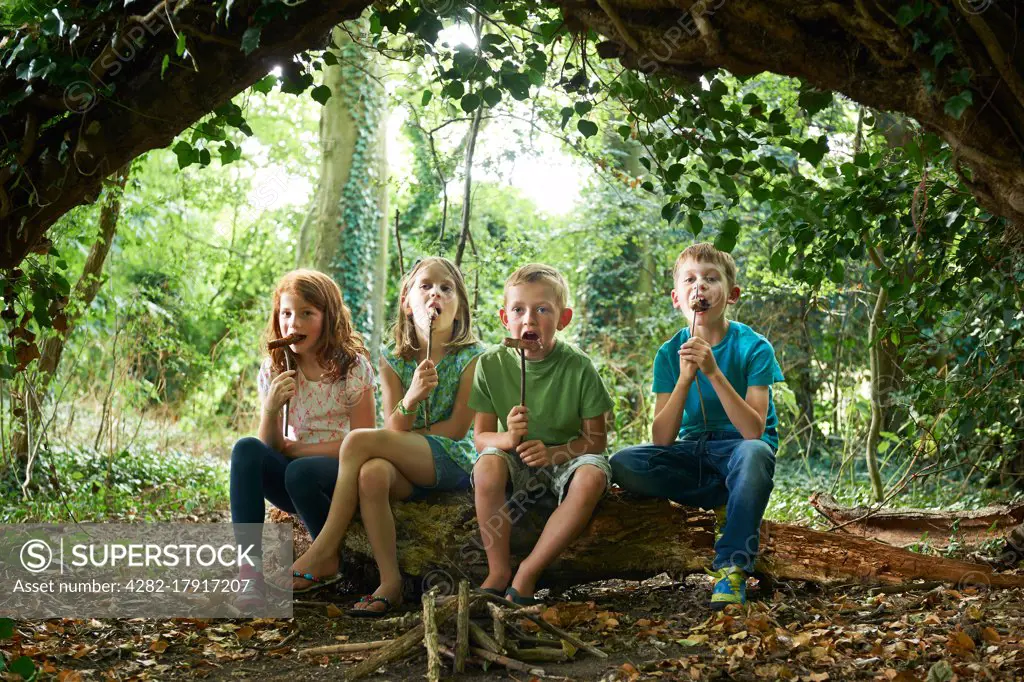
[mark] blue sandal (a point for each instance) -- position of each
(512, 595)
(368, 612)
(318, 581)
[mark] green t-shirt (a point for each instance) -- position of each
(562, 390)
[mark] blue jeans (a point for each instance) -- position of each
(302, 486)
(705, 472)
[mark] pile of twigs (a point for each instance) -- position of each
(505, 644)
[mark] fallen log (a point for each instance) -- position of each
(634, 539)
(904, 527)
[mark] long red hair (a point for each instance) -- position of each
(339, 344)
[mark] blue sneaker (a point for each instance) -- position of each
(731, 587)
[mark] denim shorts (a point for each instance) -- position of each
(448, 476)
(552, 479)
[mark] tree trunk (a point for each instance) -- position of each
(85, 291)
(628, 538)
(805, 381)
(380, 273)
(903, 527)
(343, 237)
(1013, 549)
(877, 409)
(467, 185)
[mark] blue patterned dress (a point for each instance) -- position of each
(442, 399)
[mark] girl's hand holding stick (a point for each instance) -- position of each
(284, 343)
(430, 351)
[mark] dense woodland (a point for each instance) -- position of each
(164, 163)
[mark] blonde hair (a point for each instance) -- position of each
(404, 329)
(538, 272)
(339, 343)
(705, 252)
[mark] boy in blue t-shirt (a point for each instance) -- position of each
(714, 433)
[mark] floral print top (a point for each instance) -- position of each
(442, 399)
(320, 410)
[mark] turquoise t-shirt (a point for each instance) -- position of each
(442, 398)
(562, 390)
(746, 359)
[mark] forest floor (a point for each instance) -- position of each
(658, 629)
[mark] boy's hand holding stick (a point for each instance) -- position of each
(698, 304)
(522, 345)
(284, 343)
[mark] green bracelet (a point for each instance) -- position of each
(400, 407)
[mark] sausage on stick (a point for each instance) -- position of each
(284, 343)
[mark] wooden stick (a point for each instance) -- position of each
(430, 637)
(539, 655)
(509, 663)
(284, 342)
(345, 648)
(540, 641)
(447, 652)
(523, 345)
(484, 640)
(499, 624)
(544, 625)
(462, 628)
(430, 350)
(287, 403)
(406, 620)
(401, 646)
(398, 240)
(522, 377)
(698, 305)
(904, 587)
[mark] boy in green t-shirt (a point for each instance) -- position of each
(553, 445)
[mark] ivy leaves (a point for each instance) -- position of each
(33, 296)
(929, 24)
(956, 106)
(211, 136)
(706, 147)
(251, 39)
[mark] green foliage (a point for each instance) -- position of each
(802, 187)
(795, 477)
(23, 666)
(140, 484)
(34, 296)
